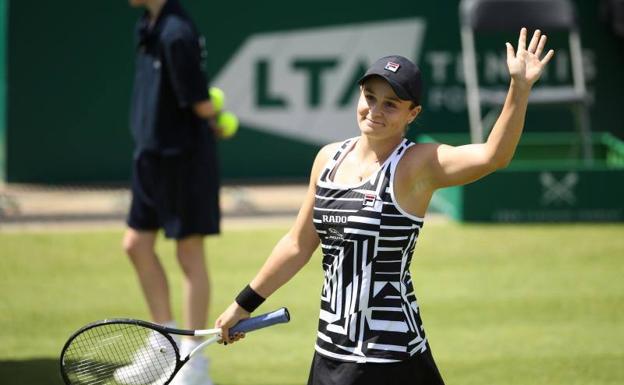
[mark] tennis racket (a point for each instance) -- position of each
(135, 352)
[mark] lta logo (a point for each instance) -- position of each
(302, 84)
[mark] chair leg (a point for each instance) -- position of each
(583, 126)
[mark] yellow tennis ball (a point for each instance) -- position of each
(217, 97)
(228, 122)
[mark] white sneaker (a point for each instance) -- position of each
(150, 363)
(194, 372)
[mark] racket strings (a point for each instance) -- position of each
(119, 354)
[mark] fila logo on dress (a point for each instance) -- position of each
(369, 200)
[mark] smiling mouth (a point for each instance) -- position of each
(373, 122)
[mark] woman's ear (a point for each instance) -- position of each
(414, 112)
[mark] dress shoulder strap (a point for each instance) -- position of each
(398, 154)
(385, 173)
(335, 159)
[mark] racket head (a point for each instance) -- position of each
(104, 352)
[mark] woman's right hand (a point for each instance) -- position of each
(230, 317)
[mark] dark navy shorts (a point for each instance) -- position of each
(420, 369)
(178, 193)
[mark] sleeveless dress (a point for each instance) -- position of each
(369, 312)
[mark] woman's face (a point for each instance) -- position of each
(380, 112)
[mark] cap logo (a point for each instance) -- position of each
(391, 66)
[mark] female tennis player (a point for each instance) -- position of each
(365, 205)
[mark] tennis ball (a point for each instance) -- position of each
(217, 97)
(228, 122)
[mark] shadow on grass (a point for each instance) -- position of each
(34, 371)
(45, 371)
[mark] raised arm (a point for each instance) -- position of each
(459, 165)
(289, 255)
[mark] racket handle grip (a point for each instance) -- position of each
(261, 321)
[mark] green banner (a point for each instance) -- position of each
(548, 181)
(289, 73)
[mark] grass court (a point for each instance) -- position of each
(506, 304)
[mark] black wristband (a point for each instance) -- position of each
(248, 299)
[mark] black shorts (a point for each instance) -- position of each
(179, 193)
(420, 369)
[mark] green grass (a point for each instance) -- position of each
(513, 304)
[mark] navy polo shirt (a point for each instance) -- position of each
(169, 78)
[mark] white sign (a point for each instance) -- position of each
(303, 84)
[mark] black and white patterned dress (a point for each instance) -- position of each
(369, 312)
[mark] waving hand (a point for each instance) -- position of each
(525, 66)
